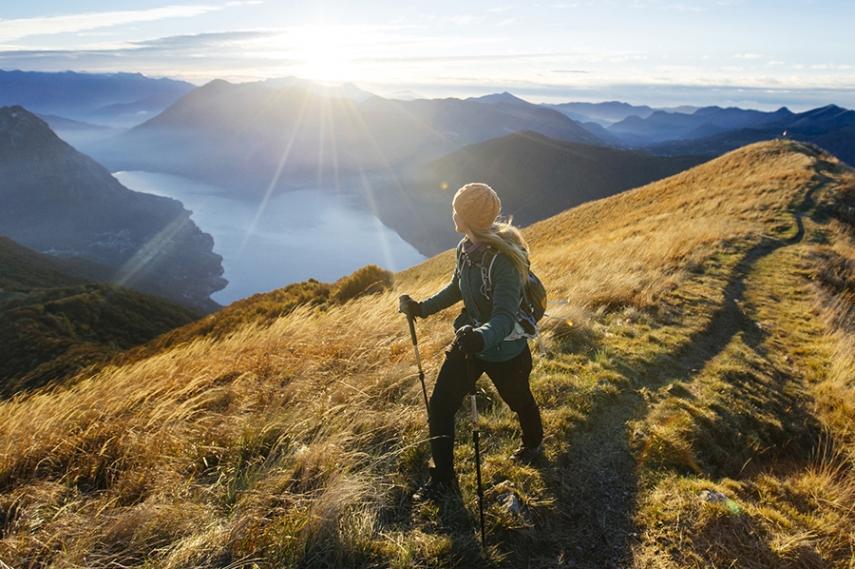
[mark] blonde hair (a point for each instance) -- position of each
(505, 238)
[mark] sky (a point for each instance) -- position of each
(751, 53)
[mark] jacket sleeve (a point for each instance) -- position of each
(446, 297)
(507, 291)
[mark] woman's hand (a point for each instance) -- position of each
(409, 306)
(468, 340)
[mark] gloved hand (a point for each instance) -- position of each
(468, 340)
(409, 306)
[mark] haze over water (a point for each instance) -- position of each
(300, 234)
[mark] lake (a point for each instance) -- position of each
(296, 235)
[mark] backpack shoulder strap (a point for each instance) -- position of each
(487, 272)
(458, 257)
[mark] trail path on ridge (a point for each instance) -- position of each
(597, 482)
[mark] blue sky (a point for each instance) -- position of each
(751, 53)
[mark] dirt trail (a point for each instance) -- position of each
(595, 481)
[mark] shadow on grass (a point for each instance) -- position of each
(594, 482)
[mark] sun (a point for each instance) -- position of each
(323, 54)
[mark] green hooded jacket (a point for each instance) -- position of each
(496, 320)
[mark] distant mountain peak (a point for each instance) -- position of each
(215, 83)
(15, 112)
(503, 97)
(346, 90)
(21, 129)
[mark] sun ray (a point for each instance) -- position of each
(334, 149)
(393, 177)
(147, 254)
(381, 236)
(319, 164)
(275, 179)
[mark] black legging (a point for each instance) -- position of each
(511, 379)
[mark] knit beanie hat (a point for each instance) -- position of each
(477, 205)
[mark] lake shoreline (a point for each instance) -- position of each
(286, 237)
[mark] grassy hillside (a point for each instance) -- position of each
(695, 378)
(55, 324)
(24, 268)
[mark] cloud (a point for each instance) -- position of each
(669, 6)
(464, 58)
(205, 39)
(167, 46)
(15, 29)
(463, 19)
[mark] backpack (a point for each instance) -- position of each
(532, 301)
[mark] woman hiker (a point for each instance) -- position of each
(486, 328)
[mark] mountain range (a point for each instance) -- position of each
(607, 113)
(707, 121)
(831, 127)
(252, 136)
(106, 99)
(60, 202)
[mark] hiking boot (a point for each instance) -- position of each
(435, 490)
(527, 455)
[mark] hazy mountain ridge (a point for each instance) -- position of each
(536, 176)
(605, 113)
(61, 202)
(660, 125)
(342, 90)
(244, 134)
(831, 127)
(78, 133)
(115, 99)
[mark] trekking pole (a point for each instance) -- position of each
(418, 361)
(476, 442)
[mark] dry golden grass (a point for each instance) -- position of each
(835, 278)
(294, 441)
(766, 422)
